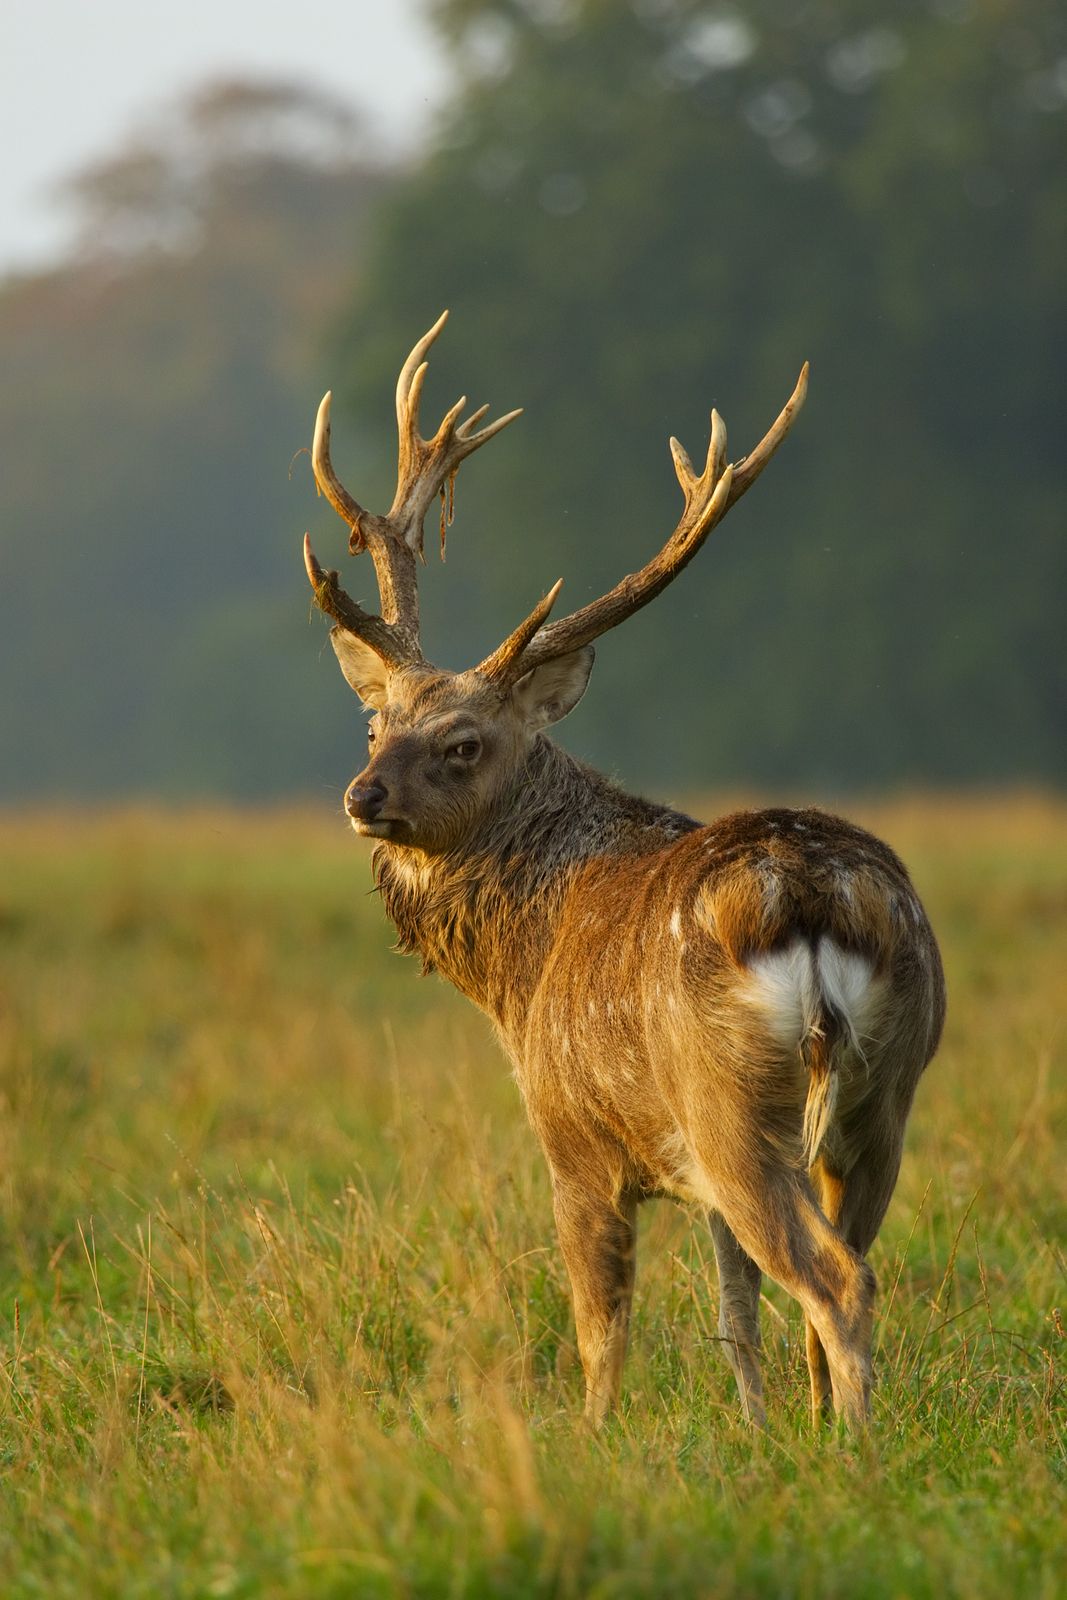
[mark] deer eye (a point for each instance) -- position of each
(371, 736)
(466, 749)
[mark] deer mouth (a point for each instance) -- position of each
(379, 828)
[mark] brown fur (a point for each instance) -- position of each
(736, 1015)
(620, 948)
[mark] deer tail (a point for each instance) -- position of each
(826, 1035)
(843, 1005)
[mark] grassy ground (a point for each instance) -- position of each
(280, 1308)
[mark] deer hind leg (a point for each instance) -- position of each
(598, 1237)
(830, 1189)
(836, 1289)
(739, 1291)
(855, 1205)
(773, 1214)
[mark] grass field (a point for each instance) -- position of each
(281, 1308)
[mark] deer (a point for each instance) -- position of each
(733, 1015)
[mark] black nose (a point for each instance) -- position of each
(365, 800)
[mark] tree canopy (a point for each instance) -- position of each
(155, 635)
(637, 211)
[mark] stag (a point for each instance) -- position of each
(734, 1015)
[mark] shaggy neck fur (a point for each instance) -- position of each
(486, 915)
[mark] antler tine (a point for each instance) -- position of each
(394, 564)
(326, 480)
(697, 488)
(499, 666)
(412, 373)
(425, 468)
(332, 600)
(708, 497)
(428, 466)
(748, 469)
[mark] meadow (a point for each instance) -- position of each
(281, 1311)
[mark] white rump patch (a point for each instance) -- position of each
(788, 984)
(849, 983)
(794, 988)
(783, 988)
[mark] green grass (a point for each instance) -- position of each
(281, 1311)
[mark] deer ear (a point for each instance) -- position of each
(364, 671)
(546, 694)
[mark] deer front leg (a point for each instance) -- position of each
(598, 1236)
(739, 1292)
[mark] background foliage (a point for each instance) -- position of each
(155, 625)
(634, 211)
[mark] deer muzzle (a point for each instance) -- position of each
(364, 802)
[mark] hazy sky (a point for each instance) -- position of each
(81, 74)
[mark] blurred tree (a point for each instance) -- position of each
(163, 188)
(155, 632)
(638, 210)
(635, 210)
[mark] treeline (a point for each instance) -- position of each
(641, 210)
(156, 634)
(635, 212)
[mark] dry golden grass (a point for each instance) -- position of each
(282, 1311)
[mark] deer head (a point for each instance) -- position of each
(444, 746)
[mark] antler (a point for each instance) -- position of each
(426, 468)
(707, 500)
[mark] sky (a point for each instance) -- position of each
(81, 75)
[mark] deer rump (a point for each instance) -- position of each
(752, 986)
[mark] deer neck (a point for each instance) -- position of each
(486, 915)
